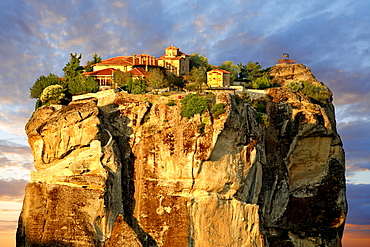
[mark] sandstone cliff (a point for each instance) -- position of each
(127, 170)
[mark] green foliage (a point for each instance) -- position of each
(232, 68)
(41, 83)
(206, 120)
(262, 118)
(122, 79)
(135, 86)
(197, 79)
(193, 104)
(201, 128)
(211, 96)
(72, 68)
(261, 82)
(259, 107)
(317, 93)
(52, 94)
(246, 96)
(138, 87)
(82, 84)
(171, 103)
(146, 117)
(96, 59)
(218, 109)
(199, 61)
(175, 81)
(294, 86)
(252, 70)
(156, 80)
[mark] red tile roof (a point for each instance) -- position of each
(219, 70)
(121, 60)
(102, 72)
(172, 47)
(138, 72)
(142, 59)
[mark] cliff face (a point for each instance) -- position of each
(125, 170)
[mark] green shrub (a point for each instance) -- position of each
(261, 82)
(211, 96)
(82, 84)
(193, 104)
(171, 102)
(217, 110)
(294, 86)
(317, 93)
(206, 120)
(52, 94)
(145, 118)
(262, 118)
(259, 107)
(138, 87)
(245, 95)
(43, 82)
(201, 128)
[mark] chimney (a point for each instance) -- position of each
(133, 59)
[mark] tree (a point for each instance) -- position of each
(175, 81)
(41, 83)
(137, 86)
(82, 84)
(197, 78)
(232, 68)
(218, 109)
(52, 94)
(241, 71)
(252, 70)
(199, 61)
(72, 68)
(96, 59)
(193, 104)
(123, 79)
(156, 80)
(262, 81)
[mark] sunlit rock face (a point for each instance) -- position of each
(128, 170)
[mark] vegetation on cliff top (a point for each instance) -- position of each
(319, 94)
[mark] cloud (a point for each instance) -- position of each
(358, 197)
(16, 161)
(356, 136)
(12, 190)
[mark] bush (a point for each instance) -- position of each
(294, 86)
(41, 83)
(217, 110)
(193, 104)
(246, 96)
(259, 107)
(82, 84)
(261, 82)
(201, 127)
(262, 118)
(52, 94)
(317, 93)
(171, 103)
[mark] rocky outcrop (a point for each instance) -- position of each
(130, 171)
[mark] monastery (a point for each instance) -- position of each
(139, 66)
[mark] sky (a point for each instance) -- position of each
(332, 38)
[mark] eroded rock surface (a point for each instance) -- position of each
(130, 171)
